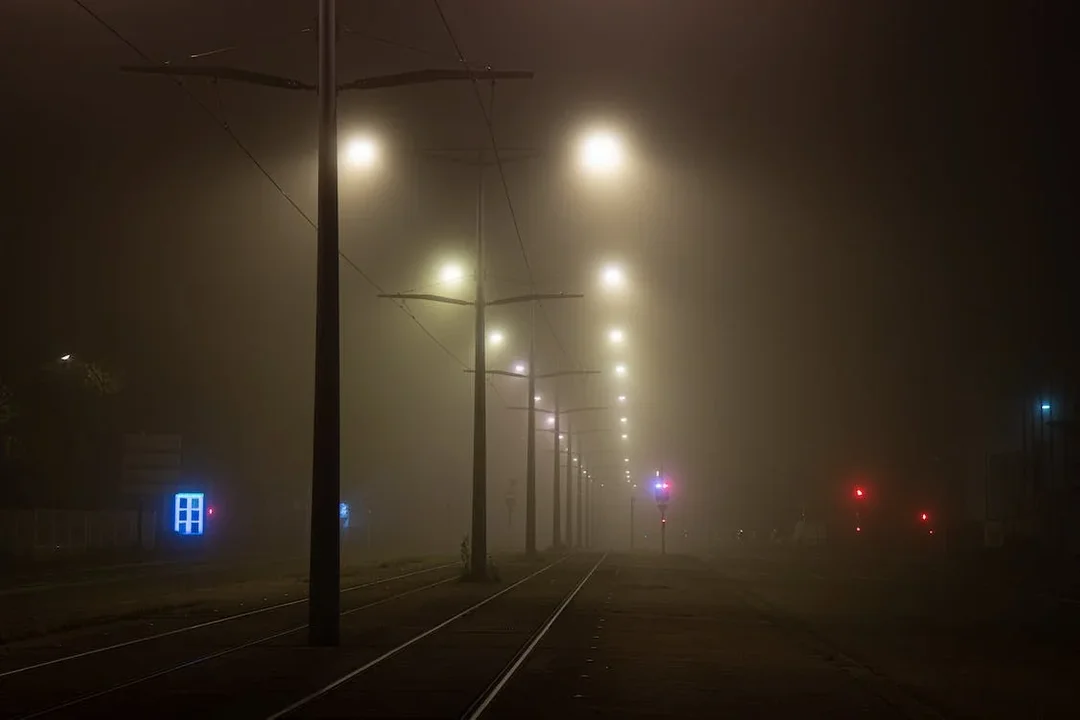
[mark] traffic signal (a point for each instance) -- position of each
(859, 492)
(923, 517)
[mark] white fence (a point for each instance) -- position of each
(73, 532)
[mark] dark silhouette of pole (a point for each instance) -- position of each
(580, 471)
(556, 508)
(569, 485)
(478, 558)
(325, 548)
(530, 443)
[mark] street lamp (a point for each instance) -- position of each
(622, 419)
(362, 153)
(451, 274)
(625, 436)
(612, 277)
(615, 336)
(620, 370)
(601, 153)
(622, 398)
(519, 369)
(496, 338)
(66, 358)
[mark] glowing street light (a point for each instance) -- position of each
(362, 153)
(625, 436)
(536, 398)
(612, 277)
(620, 370)
(601, 153)
(519, 369)
(451, 274)
(622, 420)
(626, 459)
(551, 421)
(615, 336)
(622, 398)
(496, 338)
(66, 358)
(1045, 407)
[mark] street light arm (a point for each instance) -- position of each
(426, 296)
(416, 77)
(536, 296)
(560, 373)
(221, 72)
(507, 373)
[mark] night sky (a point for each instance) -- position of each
(833, 223)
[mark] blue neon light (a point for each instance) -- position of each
(188, 513)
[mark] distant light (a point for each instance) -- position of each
(362, 152)
(859, 492)
(626, 459)
(625, 436)
(659, 485)
(665, 486)
(519, 369)
(615, 336)
(622, 420)
(561, 436)
(209, 511)
(620, 369)
(1045, 407)
(495, 337)
(663, 521)
(858, 529)
(451, 274)
(622, 398)
(65, 358)
(931, 531)
(601, 152)
(551, 421)
(612, 277)
(536, 398)
(923, 517)
(657, 473)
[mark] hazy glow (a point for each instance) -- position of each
(622, 420)
(622, 398)
(536, 398)
(612, 277)
(362, 153)
(625, 436)
(519, 369)
(626, 459)
(496, 338)
(601, 152)
(451, 274)
(615, 336)
(550, 422)
(620, 370)
(65, 358)
(1045, 406)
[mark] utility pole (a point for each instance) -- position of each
(325, 551)
(324, 601)
(530, 443)
(556, 510)
(580, 471)
(569, 484)
(478, 559)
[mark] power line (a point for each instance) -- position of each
(261, 168)
(490, 125)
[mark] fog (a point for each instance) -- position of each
(829, 220)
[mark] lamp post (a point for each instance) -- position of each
(325, 551)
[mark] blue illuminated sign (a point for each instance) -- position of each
(188, 513)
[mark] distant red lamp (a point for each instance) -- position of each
(859, 492)
(924, 517)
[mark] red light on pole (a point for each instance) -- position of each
(924, 517)
(859, 492)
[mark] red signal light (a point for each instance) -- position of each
(859, 492)
(924, 517)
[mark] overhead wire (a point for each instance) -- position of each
(247, 152)
(490, 126)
